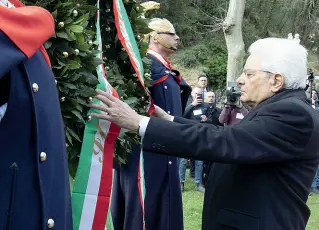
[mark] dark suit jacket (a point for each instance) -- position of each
(265, 165)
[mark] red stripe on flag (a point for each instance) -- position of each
(103, 200)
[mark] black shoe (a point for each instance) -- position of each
(182, 186)
(200, 188)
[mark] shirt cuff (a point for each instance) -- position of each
(143, 123)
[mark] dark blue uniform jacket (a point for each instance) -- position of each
(34, 178)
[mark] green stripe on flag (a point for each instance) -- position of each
(132, 42)
(83, 172)
(79, 198)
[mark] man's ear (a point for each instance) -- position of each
(154, 39)
(277, 83)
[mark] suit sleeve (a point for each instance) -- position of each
(262, 140)
(10, 55)
(188, 111)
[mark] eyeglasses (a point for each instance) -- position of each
(250, 73)
(169, 33)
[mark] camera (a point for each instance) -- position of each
(232, 96)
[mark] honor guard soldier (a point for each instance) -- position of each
(162, 207)
(35, 192)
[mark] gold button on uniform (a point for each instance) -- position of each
(50, 223)
(165, 87)
(170, 162)
(35, 87)
(43, 156)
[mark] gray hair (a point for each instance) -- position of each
(285, 57)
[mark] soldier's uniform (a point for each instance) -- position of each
(163, 201)
(35, 192)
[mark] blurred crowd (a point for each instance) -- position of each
(202, 107)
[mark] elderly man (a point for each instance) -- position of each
(269, 159)
(212, 113)
(162, 207)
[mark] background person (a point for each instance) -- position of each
(195, 111)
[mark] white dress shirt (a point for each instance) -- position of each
(143, 123)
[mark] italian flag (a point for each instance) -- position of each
(93, 182)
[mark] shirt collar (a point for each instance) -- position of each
(166, 62)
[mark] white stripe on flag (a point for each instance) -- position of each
(88, 212)
(94, 180)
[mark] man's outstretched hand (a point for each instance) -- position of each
(116, 111)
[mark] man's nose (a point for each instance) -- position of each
(240, 79)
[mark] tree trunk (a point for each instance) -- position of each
(234, 39)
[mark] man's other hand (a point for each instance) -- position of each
(116, 111)
(204, 118)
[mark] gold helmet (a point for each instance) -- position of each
(160, 25)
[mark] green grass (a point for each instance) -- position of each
(193, 204)
(313, 203)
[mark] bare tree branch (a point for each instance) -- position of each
(208, 15)
(213, 28)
